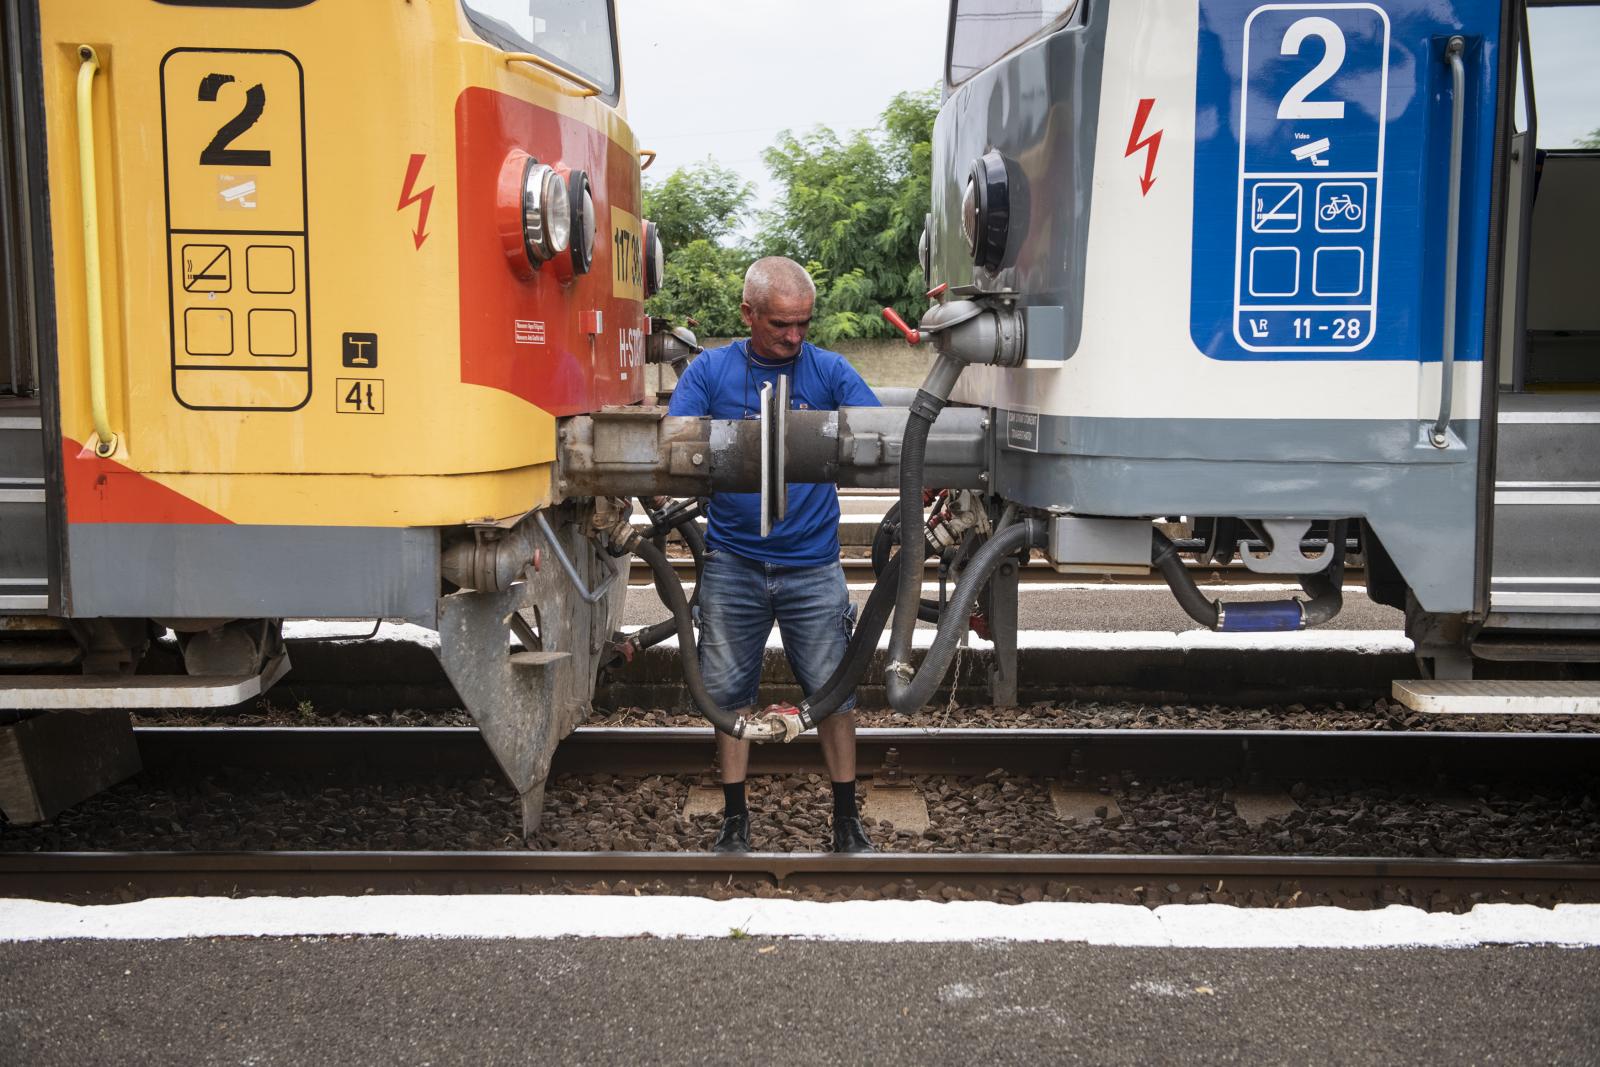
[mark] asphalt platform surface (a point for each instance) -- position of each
(753, 1000)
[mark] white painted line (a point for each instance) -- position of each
(543, 917)
(1368, 641)
(1364, 641)
(356, 630)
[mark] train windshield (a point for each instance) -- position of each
(985, 30)
(574, 33)
(1566, 90)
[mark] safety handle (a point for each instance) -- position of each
(647, 156)
(764, 420)
(1439, 436)
(913, 335)
(105, 441)
(586, 87)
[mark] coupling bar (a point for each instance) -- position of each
(644, 452)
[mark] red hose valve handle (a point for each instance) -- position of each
(894, 319)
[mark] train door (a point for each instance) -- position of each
(24, 585)
(1546, 572)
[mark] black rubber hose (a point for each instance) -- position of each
(1326, 587)
(908, 692)
(671, 592)
(1164, 556)
(913, 550)
(883, 542)
(858, 654)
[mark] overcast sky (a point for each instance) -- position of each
(720, 78)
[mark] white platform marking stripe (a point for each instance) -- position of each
(542, 917)
(1369, 641)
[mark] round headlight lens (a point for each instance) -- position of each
(583, 224)
(586, 233)
(969, 215)
(989, 186)
(655, 259)
(923, 256)
(546, 213)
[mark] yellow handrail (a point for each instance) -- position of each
(589, 88)
(646, 157)
(107, 441)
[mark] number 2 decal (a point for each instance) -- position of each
(217, 153)
(1295, 105)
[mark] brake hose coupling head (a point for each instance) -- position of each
(782, 721)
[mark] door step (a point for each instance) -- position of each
(1499, 697)
(62, 692)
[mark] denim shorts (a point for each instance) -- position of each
(739, 601)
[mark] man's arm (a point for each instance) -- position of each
(692, 395)
(850, 390)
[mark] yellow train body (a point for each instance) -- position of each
(277, 193)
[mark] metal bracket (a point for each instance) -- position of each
(773, 415)
(1284, 555)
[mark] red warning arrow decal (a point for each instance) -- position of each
(424, 197)
(1153, 143)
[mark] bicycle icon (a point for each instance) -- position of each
(1342, 204)
(1341, 208)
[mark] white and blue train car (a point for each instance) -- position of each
(1297, 268)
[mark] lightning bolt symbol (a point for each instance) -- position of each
(1153, 143)
(424, 197)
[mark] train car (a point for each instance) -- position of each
(295, 294)
(1300, 276)
(1294, 269)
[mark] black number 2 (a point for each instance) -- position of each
(217, 153)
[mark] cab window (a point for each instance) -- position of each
(578, 34)
(1568, 93)
(982, 31)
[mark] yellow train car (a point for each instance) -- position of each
(296, 293)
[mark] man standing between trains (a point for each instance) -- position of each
(793, 576)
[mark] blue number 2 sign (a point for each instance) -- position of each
(1310, 127)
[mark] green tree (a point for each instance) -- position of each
(698, 210)
(852, 210)
(703, 202)
(1591, 139)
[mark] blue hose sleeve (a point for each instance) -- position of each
(1254, 617)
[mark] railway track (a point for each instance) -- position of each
(1279, 880)
(1431, 760)
(459, 751)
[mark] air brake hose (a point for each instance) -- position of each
(1253, 616)
(883, 542)
(907, 690)
(858, 654)
(671, 592)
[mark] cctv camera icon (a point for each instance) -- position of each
(1313, 151)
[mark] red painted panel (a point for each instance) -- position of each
(525, 335)
(103, 490)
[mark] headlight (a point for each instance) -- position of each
(583, 224)
(923, 252)
(546, 213)
(655, 259)
(969, 215)
(986, 210)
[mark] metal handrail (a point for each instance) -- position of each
(589, 88)
(1439, 436)
(106, 443)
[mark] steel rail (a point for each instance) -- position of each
(86, 876)
(1083, 755)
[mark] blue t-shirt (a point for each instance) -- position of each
(725, 383)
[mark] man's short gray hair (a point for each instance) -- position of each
(777, 276)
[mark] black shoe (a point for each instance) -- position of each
(734, 835)
(851, 836)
